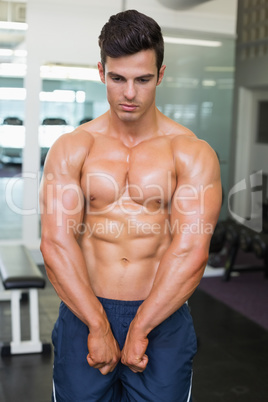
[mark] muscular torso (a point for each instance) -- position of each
(125, 229)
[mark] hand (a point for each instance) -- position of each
(104, 352)
(133, 353)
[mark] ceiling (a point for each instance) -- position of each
(15, 11)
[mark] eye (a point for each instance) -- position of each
(144, 80)
(116, 79)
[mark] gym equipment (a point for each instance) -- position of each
(260, 248)
(241, 238)
(232, 238)
(245, 239)
(19, 272)
(218, 238)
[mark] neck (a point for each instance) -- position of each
(133, 132)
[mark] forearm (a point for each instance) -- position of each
(66, 270)
(176, 280)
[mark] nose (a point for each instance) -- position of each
(130, 91)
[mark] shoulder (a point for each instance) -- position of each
(70, 150)
(82, 138)
(70, 147)
(194, 156)
(185, 145)
(190, 144)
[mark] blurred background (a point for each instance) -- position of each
(49, 83)
(216, 84)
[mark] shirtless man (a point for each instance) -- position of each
(129, 202)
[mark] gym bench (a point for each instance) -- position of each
(19, 273)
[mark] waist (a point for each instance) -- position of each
(120, 307)
(128, 307)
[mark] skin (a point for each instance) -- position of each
(128, 206)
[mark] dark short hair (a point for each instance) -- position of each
(129, 32)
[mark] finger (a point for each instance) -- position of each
(136, 369)
(94, 364)
(142, 362)
(106, 370)
(90, 361)
(141, 366)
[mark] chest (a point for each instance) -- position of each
(143, 174)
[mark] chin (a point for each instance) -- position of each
(128, 117)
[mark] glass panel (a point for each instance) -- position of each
(65, 104)
(197, 92)
(12, 131)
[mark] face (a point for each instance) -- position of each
(131, 84)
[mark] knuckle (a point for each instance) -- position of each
(131, 362)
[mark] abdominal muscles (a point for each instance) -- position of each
(123, 251)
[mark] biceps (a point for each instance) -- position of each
(62, 206)
(195, 209)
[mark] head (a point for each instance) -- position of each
(129, 32)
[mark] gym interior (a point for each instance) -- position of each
(216, 84)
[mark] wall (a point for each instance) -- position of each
(251, 86)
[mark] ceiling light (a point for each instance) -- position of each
(11, 52)
(209, 83)
(6, 52)
(194, 42)
(13, 70)
(12, 93)
(71, 73)
(219, 69)
(181, 4)
(58, 96)
(17, 26)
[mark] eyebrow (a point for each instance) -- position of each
(111, 73)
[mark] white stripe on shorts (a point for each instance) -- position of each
(190, 389)
(54, 392)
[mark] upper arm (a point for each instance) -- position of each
(197, 199)
(61, 196)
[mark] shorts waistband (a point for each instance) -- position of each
(121, 306)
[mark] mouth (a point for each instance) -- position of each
(128, 108)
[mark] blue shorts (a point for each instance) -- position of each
(167, 377)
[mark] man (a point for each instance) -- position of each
(129, 202)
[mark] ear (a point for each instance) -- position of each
(101, 72)
(161, 75)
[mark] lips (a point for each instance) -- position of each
(128, 108)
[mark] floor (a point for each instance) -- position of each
(230, 366)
